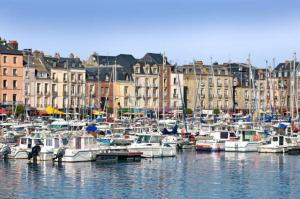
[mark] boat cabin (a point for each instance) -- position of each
(249, 135)
(83, 142)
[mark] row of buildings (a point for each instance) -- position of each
(146, 85)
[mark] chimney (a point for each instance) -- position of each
(13, 44)
(57, 55)
(38, 54)
(71, 56)
(27, 51)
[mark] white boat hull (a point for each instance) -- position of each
(72, 155)
(238, 146)
(154, 152)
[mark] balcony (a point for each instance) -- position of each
(147, 84)
(211, 84)
(219, 84)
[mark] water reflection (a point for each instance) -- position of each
(189, 175)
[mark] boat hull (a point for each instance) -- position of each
(154, 152)
(79, 156)
(237, 146)
(210, 147)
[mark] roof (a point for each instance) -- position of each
(124, 60)
(153, 58)
(104, 73)
(35, 62)
(62, 62)
(5, 49)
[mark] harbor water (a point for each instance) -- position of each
(189, 175)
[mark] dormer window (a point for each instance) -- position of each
(107, 77)
(154, 70)
(127, 77)
(137, 70)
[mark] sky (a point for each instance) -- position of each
(185, 30)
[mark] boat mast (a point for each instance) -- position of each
(163, 75)
(296, 86)
(68, 92)
(27, 87)
(252, 109)
(213, 83)
(182, 101)
(200, 82)
(196, 91)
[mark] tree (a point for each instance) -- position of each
(110, 110)
(216, 111)
(19, 110)
(189, 111)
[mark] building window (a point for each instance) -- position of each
(65, 77)
(79, 89)
(15, 60)
(4, 71)
(14, 72)
(174, 81)
(79, 77)
(72, 77)
(14, 84)
(226, 82)
(210, 81)
(38, 88)
(54, 76)
(46, 88)
(4, 98)
(14, 98)
(4, 59)
(4, 83)
(65, 89)
(226, 93)
(53, 87)
(73, 90)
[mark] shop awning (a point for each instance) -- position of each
(50, 110)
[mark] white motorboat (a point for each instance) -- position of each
(278, 144)
(249, 141)
(25, 146)
(215, 142)
(81, 148)
(152, 146)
